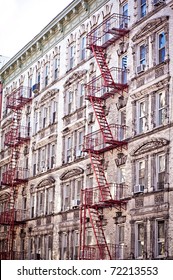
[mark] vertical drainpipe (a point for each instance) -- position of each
(0, 99)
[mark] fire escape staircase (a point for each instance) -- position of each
(105, 198)
(12, 216)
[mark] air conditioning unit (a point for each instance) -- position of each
(75, 203)
(158, 2)
(35, 88)
(140, 68)
(138, 189)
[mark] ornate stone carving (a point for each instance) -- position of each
(46, 182)
(71, 173)
(159, 198)
(149, 27)
(150, 146)
(139, 202)
(75, 76)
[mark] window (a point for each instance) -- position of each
(78, 187)
(43, 159)
(124, 69)
(71, 57)
(139, 240)
(140, 173)
(45, 111)
(79, 144)
(24, 207)
(38, 80)
(120, 248)
(52, 164)
(161, 45)
(36, 122)
(46, 75)
(32, 206)
(143, 8)
(75, 245)
(81, 97)
(30, 86)
(89, 237)
(83, 48)
(160, 109)
(66, 197)
(70, 100)
(56, 68)
(64, 246)
(69, 149)
(121, 175)
(124, 10)
(160, 166)
(54, 108)
(142, 55)
(40, 203)
(141, 121)
(34, 164)
(49, 205)
(160, 238)
(106, 33)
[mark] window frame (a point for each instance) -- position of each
(139, 247)
(143, 5)
(157, 238)
(141, 118)
(160, 49)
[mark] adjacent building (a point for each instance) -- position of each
(87, 137)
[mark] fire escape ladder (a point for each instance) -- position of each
(97, 165)
(99, 55)
(96, 221)
(97, 105)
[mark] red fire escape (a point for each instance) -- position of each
(14, 175)
(109, 136)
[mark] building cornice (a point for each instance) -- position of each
(55, 25)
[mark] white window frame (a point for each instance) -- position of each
(160, 110)
(70, 102)
(56, 68)
(159, 240)
(142, 60)
(161, 48)
(64, 246)
(83, 48)
(50, 201)
(139, 241)
(141, 7)
(75, 245)
(34, 164)
(140, 180)
(71, 56)
(46, 78)
(66, 204)
(68, 149)
(160, 170)
(141, 117)
(40, 203)
(32, 214)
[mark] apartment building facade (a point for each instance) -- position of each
(86, 136)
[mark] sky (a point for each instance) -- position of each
(21, 20)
